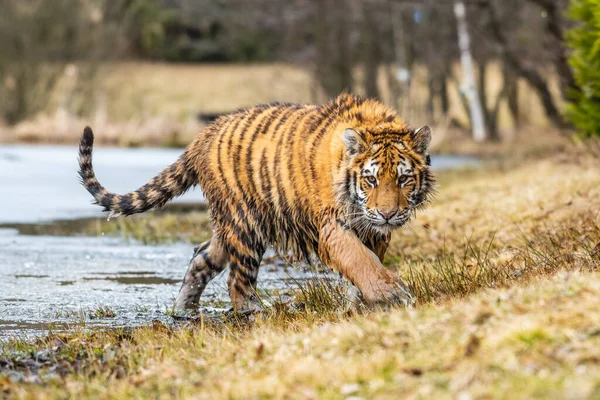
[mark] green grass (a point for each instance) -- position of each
(101, 312)
(84, 314)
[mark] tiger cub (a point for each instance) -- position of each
(331, 181)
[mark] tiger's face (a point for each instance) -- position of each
(390, 178)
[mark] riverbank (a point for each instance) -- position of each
(504, 265)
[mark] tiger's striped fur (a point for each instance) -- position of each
(310, 179)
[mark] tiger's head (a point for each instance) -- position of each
(388, 176)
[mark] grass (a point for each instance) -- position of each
(152, 228)
(101, 312)
(193, 227)
(540, 340)
(155, 104)
(81, 315)
(504, 265)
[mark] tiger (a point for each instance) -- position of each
(327, 182)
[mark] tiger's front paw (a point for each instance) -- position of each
(389, 290)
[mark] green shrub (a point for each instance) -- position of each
(584, 40)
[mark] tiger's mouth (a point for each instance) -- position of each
(362, 220)
(386, 226)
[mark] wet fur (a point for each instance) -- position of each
(275, 175)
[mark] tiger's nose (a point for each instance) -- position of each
(387, 214)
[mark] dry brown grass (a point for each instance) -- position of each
(508, 201)
(505, 267)
(180, 91)
(155, 104)
(538, 341)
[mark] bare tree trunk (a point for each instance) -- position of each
(433, 73)
(371, 54)
(512, 94)
(481, 89)
(477, 122)
(463, 99)
(430, 99)
(490, 112)
(554, 27)
(531, 75)
(344, 63)
(334, 64)
(444, 100)
(400, 58)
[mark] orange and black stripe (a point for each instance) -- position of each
(173, 181)
(271, 174)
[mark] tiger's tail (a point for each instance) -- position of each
(172, 182)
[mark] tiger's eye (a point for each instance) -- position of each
(403, 179)
(371, 179)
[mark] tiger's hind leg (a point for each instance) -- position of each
(208, 261)
(244, 263)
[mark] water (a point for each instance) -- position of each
(65, 280)
(40, 183)
(57, 280)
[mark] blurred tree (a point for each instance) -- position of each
(45, 42)
(553, 14)
(334, 61)
(438, 57)
(346, 43)
(148, 24)
(584, 40)
(466, 61)
(204, 30)
(517, 61)
(487, 56)
(370, 49)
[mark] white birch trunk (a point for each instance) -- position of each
(466, 60)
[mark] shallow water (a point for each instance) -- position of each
(40, 183)
(55, 281)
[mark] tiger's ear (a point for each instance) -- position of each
(354, 141)
(421, 139)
